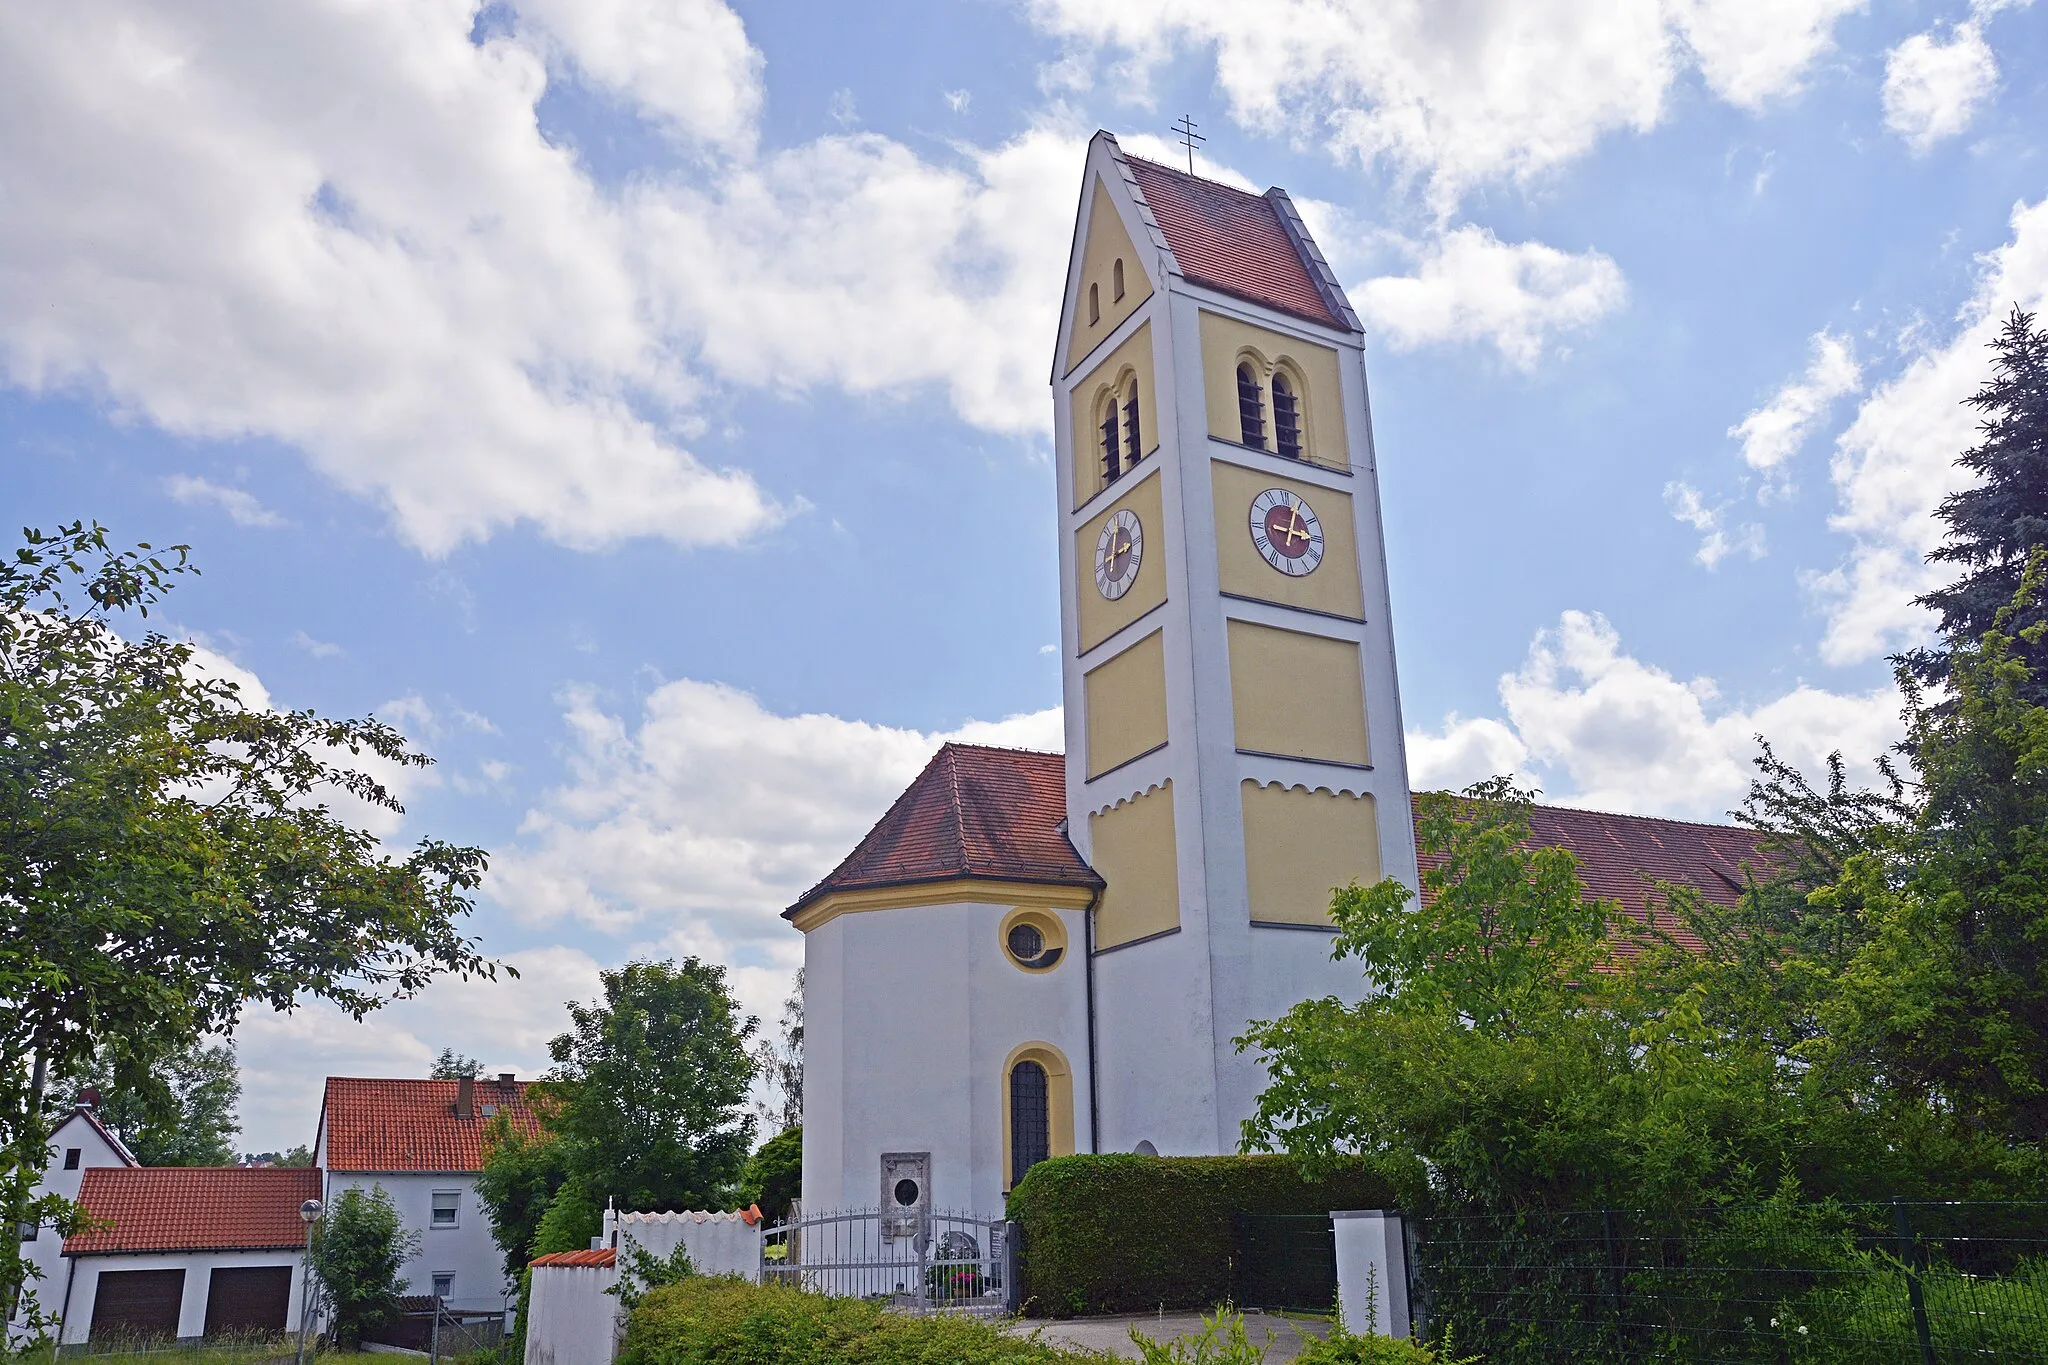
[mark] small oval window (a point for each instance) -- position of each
(906, 1192)
(1026, 943)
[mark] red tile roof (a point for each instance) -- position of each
(411, 1125)
(596, 1259)
(973, 812)
(1621, 856)
(1230, 240)
(192, 1208)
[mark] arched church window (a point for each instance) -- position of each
(1251, 409)
(1116, 281)
(1030, 1119)
(1286, 416)
(1094, 306)
(1112, 457)
(1134, 441)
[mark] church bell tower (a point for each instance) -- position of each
(1234, 740)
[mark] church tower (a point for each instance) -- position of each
(1234, 742)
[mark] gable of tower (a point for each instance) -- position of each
(1112, 283)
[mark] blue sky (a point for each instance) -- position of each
(644, 403)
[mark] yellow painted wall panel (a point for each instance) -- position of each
(1297, 695)
(1332, 588)
(1132, 358)
(1301, 846)
(1314, 369)
(1098, 616)
(1107, 243)
(1126, 700)
(1132, 847)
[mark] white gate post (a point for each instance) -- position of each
(1372, 1271)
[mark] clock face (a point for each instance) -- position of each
(1286, 532)
(1118, 551)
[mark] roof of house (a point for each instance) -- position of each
(83, 1113)
(1232, 240)
(411, 1125)
(598, 1259)
(192, 1208)
(1622, 857)
(974, 812)
(1001, 813)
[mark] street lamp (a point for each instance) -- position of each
(309, 1214)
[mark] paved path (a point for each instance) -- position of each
(1282, 1337)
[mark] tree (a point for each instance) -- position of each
(520, 1177)
(451, 1065)
(780, 1063)
(1994, 526)
(170, 852)
(359, 1252)
(182, 1113)
(773, 1177)
(649, 1088)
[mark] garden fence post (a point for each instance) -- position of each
(1613, 1278)
(1909, 1257)
(1013, 1293)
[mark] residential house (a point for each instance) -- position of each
(80, 1143)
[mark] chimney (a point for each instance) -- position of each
(465, 1097)
(508, 1081)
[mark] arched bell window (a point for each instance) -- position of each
(1286, 416)
(1251, 409)
(1116, 281)
(1094, 305)
(1134, 441)
(1105, 423)
(1030, 1118)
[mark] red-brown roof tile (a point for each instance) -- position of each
(411, 1125)
(1622, 856)
(192, 1208)
(1230, 240)
(973, 812)
(598, 1259)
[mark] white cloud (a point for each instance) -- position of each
(710, 814)
(1933, 88)
(344, 230)
(1896, 460)
(1595, 726)
(319, 649)
(1459, 95)
(1774, 432)
(1470, 286)
(242, 507)
(1686, 504)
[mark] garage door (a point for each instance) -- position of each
(132, 1304)
(247, 1300)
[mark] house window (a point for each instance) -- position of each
(446, 1202)
(1286, 416)
(1134, 445)
(1112, 458)
(72, 1156)
(1116, 281)
(1094, 305)
(1030, 1119)
(25, 1231)
(444, 1284)
(1251, 410)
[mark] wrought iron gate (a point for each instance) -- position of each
(954, 1263)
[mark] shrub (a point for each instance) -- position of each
(1130, 1234)
(359, 1252)
(726, 1321)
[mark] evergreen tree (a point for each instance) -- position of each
(451, 1065)
(179, 1113)
(1994, 526)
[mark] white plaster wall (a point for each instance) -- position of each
(718, 1243)
(465, 1250)
(917, 1008)
(1372, 1271)
(46, 1252)
(198, 1267)
(573, 1319)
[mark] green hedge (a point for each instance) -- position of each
(1131, 1234)
(722, 1321)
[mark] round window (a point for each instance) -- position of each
(906, 1192)
(1026, 943)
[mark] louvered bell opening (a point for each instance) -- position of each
(1286, 417)
(1251, 414)
(1112, 464)
(1134, 441)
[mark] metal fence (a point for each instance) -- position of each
(952, 1262)
(1912, 1283)
(1283, 1261)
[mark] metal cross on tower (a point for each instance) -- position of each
(1185, 129)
